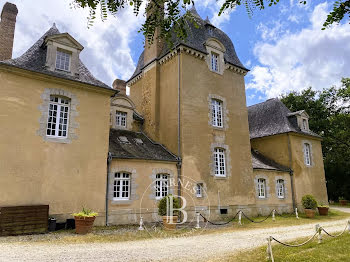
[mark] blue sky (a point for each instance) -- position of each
(283, 45)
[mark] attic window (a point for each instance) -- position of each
(62, 60)
(123, 139)
(305, 124)
(138, 141)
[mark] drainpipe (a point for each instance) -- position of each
(178, 128)
(109, 160)
(291, 173)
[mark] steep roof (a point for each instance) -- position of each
(271, 118)
(34, 59)
(125, 144)
(260, 161)
(196, 40)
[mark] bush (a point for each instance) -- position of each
(85, 213)
(162, 207)
(309, 202)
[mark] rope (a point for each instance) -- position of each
(334, 235)
(219, 224)
(298, 245)
(285, 216)
(251, 220)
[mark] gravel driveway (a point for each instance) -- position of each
(195, 248)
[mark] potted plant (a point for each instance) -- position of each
(84, 221)
(309, 203)
(343, 201)
(323, 210)
(169, 216)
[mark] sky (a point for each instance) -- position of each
(283, 45)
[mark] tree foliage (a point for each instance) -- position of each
(173, 18)
(329, 112)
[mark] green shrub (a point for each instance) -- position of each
(309, 202)
(341, 198)
(85, 213)
(162, 207)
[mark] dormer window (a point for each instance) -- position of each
(215, 57)
(63, 60)
(305, 124)
(214, 62)
(121, 119)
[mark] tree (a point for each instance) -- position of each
(173, 18)
(329, 112)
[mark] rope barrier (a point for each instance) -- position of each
(251, 220)
(334, 235)
(219, 224)
(298, 245)
(285, 216)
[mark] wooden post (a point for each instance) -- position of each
(141, 223)
(240, 218)
(269, 255)
(296, 213)
(349, 226)
(197, 226)
(273, 215)
(319, 231)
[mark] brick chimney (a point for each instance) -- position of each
(152, 51)
(120, 85)
(7, 30)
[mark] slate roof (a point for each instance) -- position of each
(272, 117)
(148, 150)
(196, 40)
(34, 59)
(259, 161)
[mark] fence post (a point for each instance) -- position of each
(269, 255)
(296, 213)
(197, 226)
(141, 223)
(319, 231)
(273, 215)
(240, 218)
(349, 226)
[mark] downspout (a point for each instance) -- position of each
(109, 160)
(178, 165)
(291, 173)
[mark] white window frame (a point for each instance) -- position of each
(124, 179)
(215, 58)
(58, 117)
(199, 190)
(61, 62)
(217, 113)
(162, 185)
(121, 118)
(304, 124)
(219, 162)
(307, 154)
(261, 187)
(280, 188)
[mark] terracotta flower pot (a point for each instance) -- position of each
(310, 213)
(83, 225)
(343, 202)
(166, 222)
(323, 211)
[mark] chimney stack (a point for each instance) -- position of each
(153, 50)
(120, 85)
(7, 30)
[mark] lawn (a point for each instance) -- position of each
(330, 250)
(130, 233)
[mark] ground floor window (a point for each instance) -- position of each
(121, 186)
(162, 185)
(280, 188)
(261, 188)
(199, 190)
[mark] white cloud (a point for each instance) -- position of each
(107, 44)
(214, 6)
(309, 57)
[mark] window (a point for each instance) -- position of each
(162, 185)
(121, 119)
(307, 154)
(62, 60)
(121, 186)
(261, 188)
(57, 122)
(219, 160)
(199, 190)
(214, 62)
(305, 124)
(280, 188)
(216, 106)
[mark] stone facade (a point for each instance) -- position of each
(7, 30)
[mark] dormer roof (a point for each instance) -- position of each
(34, 60)
(64, 39)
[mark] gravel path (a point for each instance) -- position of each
(196, 248)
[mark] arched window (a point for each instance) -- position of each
(220, 162)
(58, 119)
(261, 188)
(280, 188)
(216, 112)
(121, 186)
(307, 154)
(162, 185)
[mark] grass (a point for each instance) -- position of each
(339, 205)
(130, 233)
(330, 250)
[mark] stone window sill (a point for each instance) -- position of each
(121, 202)
(58, 140)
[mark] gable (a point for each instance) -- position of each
(66, 40)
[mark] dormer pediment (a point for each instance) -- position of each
(66, 40)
